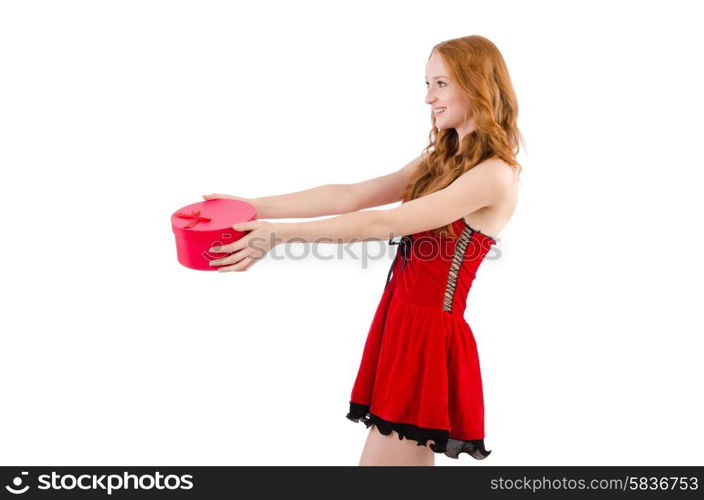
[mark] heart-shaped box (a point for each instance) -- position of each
(208, 223)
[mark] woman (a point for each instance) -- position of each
(419, 377)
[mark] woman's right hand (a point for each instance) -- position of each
(216, 196)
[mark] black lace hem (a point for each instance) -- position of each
(443, 443)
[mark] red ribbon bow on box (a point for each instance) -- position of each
(194, 216)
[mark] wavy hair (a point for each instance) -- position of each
(478, 69)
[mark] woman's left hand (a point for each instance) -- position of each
(250, 248)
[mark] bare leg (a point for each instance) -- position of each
(390, 450)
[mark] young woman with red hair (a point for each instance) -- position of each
(419, 378)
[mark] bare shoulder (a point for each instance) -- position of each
(502, 169)
(495, 170)
(501, 179)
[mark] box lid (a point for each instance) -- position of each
(209, 219)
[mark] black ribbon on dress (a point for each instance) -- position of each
(404, 249)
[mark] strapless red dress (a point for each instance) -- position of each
(420, 374)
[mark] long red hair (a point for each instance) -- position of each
(478, 69)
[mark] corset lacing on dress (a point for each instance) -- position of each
(404, 247)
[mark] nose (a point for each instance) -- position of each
(429, 97)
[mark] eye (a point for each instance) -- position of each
(439, 81)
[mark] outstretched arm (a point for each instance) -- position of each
(479, 187)
(332, 199)
(329, 199)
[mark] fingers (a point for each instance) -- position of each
(229, 248)
(242, 265)
(214, 196)
(233, 258)
(250, 264)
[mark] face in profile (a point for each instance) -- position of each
(450, 107)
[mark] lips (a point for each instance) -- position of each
(437, 111)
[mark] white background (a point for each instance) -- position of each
(115, 114)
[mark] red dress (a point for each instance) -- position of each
(420, 374)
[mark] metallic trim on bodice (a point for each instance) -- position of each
(457, 259)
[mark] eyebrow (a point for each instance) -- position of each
(436, 77)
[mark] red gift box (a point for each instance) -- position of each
(205, 224)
